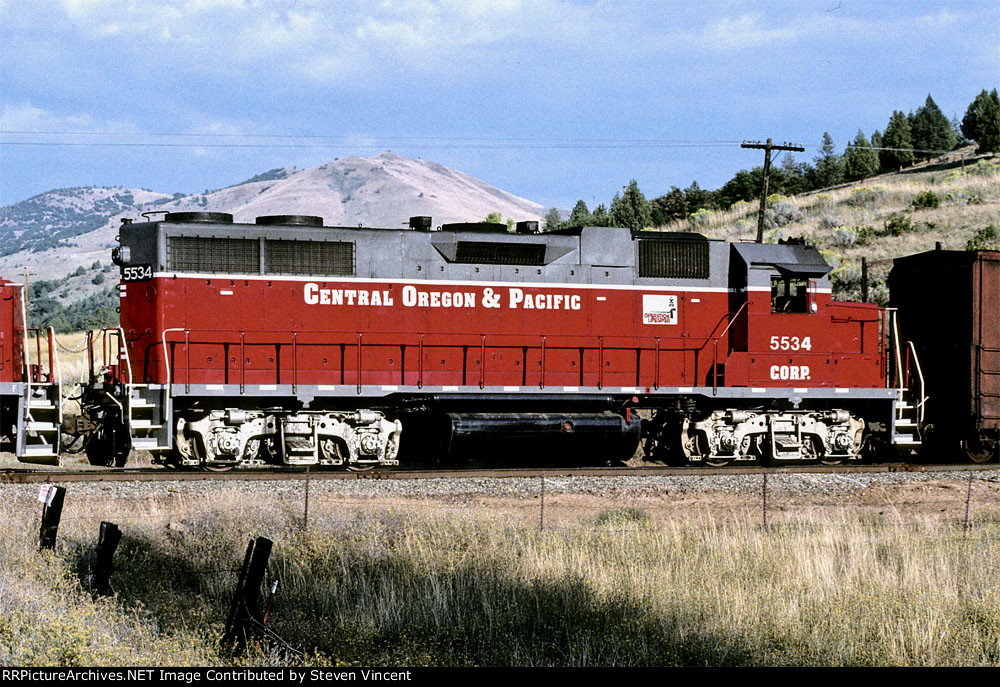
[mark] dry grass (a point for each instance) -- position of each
(968, 201)
(400, 584)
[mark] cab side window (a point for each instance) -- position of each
(789, 294)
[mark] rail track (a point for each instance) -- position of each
(28, 475)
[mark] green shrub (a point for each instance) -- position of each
(700, 218)
(844, 237)
(984, 239)
(623, 517)
(865, 234)
(782, 214)
(742, 207)
(823, 200)
(865, 197)
(829, 221)
(896, 224)
(926, 201)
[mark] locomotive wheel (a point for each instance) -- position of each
(354, 467)
(817, 454)
(980, 450)
(719, 462)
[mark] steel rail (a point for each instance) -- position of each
(32, 476)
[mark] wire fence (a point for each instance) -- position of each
(547, 504)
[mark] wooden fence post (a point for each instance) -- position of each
(52, 498)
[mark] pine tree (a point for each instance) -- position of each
(600, 217)
(553, 219)
(669, 207)
(860, 160)
(697, 197)
(897, 137)
(580, 217)
(829, 165)
(956, 127)
(981, 122)
(743, 186)
(796, 175)
(631, 209)
(876, 144)
(931, 130)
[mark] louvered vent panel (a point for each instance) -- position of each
(678, 259)
(333, 258)
(213, 255)
(496, 253)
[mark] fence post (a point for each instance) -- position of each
(244, 611)
(968, 501)
(52, 498)
(765, 501)
(541, 513)
(305, 514)
(107, 543)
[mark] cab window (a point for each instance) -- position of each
(789, 294)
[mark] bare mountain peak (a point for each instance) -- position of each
(68, 228)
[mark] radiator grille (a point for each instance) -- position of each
(496, 253)
(212, 255)
(333, 258)
(679, 259)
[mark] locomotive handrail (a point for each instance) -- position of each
(732, 321)
(24, 350)
(894, 326)
(715, 343)
(920, 376)
(166, 356)
(421, 340)
(54, 351)
(123, 346)
(729, 318)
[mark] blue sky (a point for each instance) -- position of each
(552, 100)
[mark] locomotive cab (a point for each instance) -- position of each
(779, 337)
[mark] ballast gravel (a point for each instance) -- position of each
(513, 487)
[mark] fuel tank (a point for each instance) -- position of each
(556, 438)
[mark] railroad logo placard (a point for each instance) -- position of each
(659, 309)
(46, 493)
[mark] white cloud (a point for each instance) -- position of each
(26, 117)
(749, 31)
(360, 42)
(321, 40)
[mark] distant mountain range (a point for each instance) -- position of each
(55, 233)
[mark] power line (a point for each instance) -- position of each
(366, 146)
(851, 146)
(360, 141)
(349, 139)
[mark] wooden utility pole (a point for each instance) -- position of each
(767, 148)
(26, 275)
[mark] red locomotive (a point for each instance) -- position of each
(30, 393)
(289, 342)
